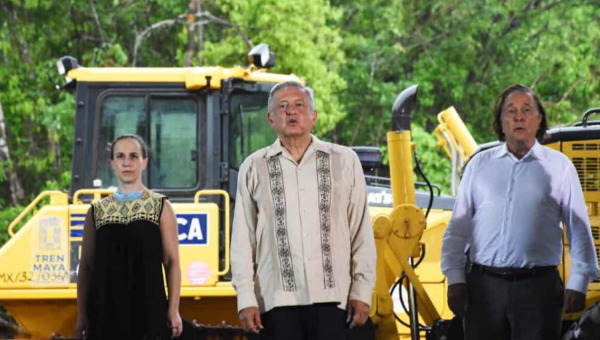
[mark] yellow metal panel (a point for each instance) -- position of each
(374, 211)
(199, 260)
(223, 289)
(44, 318)
(38, 254)
(37, 293)
(586, 159)
(227, 229)
(584, 155)
(429, 271)
(554, 146)
(193, 77)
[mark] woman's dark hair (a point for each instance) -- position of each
(497, 124)
(137, 138)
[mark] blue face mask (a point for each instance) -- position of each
(130, 196)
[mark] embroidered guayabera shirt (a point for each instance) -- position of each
(510, 213)
(302, 232)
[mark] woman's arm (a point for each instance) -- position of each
(170, 244)
(86, 266)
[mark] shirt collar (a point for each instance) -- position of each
(319, 145)
(536, 151)
(316, 144)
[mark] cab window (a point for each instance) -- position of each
(250, 130)
(169, 126)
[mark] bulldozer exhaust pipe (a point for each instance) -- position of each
(399, 148)
(403, 107)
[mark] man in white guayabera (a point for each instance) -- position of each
(302, 253)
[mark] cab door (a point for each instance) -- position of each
(172, 122)
(246, 129)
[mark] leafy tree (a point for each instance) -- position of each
(357, 55)
(472, 50)
(33, 34)
(463, 53)
(371, 40)
(307, 45)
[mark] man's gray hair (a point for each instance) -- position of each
(291, 83)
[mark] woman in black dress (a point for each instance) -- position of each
(128, 237)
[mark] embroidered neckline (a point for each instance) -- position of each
(126, 197)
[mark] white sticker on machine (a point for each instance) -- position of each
(49, 253)
(198, 273)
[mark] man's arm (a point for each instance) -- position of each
(584, 264)
(458, 231)
(363, 251)
(243, 241)
(455, 241)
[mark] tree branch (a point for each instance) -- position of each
(552, 4)
(514, 21)
(97, 20)
(13, 18)
(123, 5)
(573, 86)
(537, 78)
(182, 19)
(373, 68)
(140, 36)
(200, 35)
(189, 54)
(223, 22)
(538, 33)
(16, 189)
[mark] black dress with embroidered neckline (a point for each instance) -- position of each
(127, 294)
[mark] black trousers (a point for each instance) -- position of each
(322, 321)
(514, 309)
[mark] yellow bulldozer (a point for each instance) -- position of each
(214, 117)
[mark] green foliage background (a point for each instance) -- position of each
(357, 55)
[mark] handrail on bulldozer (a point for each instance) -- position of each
(56, 197)
(210, 192)
(96, 192)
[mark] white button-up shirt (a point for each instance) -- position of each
(508, 212)
(301, 231)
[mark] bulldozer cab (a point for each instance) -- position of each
(197, 137)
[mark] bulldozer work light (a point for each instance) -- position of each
(261, 56)
(65, 64)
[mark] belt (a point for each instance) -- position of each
(513, 274)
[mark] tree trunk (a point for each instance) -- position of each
(13, 18)
(53, 139)
(200, 34)
(16, 190)
(191, 19)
